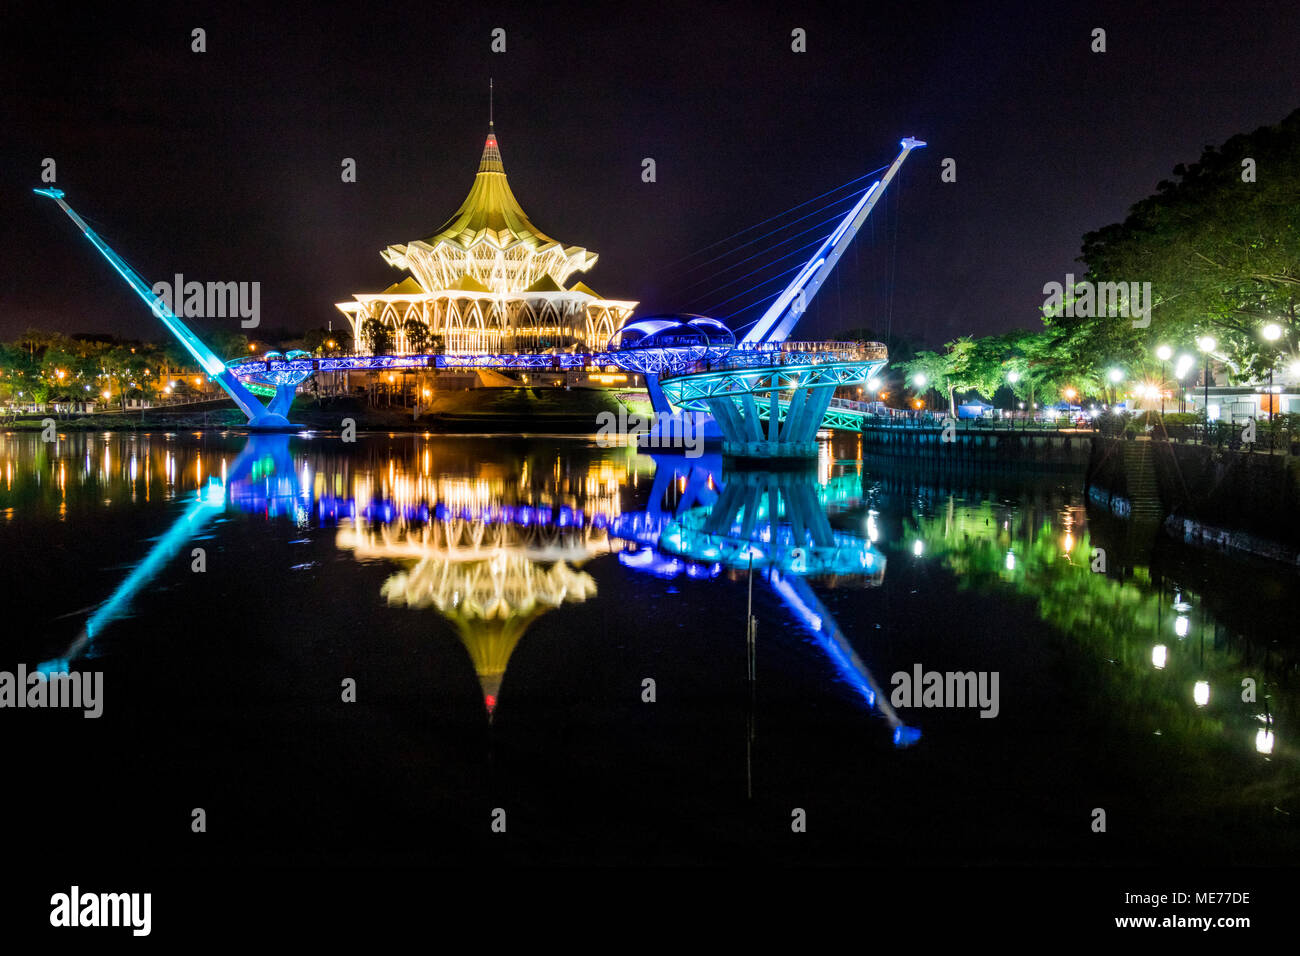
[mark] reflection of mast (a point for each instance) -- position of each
(270, 451)
(778, 524)
(206, 505)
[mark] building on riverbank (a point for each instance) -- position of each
(487, 281)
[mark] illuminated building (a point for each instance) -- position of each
(488, 281)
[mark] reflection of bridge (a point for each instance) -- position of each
(701, 366)
(778, 525)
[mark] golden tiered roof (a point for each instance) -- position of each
(490, 223)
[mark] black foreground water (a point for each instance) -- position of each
(499, 606)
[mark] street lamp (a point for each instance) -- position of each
(919, 381)
(1206, 344)
(1114, 376)
(1271, 332)
(1164, 353)
(1012, 377)
(1181, 368)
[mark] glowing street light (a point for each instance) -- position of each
(1115, 375)
(1164, 353)
(1206, 344)
(1013, 376)
(1201, 693)
(1271, 332)
(919, 379)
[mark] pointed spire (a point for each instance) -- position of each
(491, 160)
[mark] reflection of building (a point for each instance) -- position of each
(489, 567)
(488, 281)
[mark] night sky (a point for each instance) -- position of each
(225, 165)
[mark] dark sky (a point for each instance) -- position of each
(225, 165)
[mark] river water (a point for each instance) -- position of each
(426, 649)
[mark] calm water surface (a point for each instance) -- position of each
(505, 607)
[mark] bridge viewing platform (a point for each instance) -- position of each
(771, 400)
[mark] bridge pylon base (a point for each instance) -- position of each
(780, 428)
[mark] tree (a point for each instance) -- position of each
(925, 371)
(1220, 245)
(417, 336)
(125, 369)
(377, 336)
(964, 366)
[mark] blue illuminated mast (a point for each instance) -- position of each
(259, 415)
(780, 318)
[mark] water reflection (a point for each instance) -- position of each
(491, 543)
(776, 524)
(490, 546)
(1186, 674)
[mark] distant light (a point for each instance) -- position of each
(1264, 741)
(1206, 343)
(918, 547)
(920, 379)
(1164, 353)
(1272, 332)
(1067, 543)
(1013, 377)
(1159, 655)
(1184, 365)
(1180, 625)
(1011, 560)
(873, 384)
(1115, 375)
(1201, 693)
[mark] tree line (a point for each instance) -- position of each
(1219, 243)
(41, 366)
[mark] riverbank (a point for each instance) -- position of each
(474, 411)
(1236, 502)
